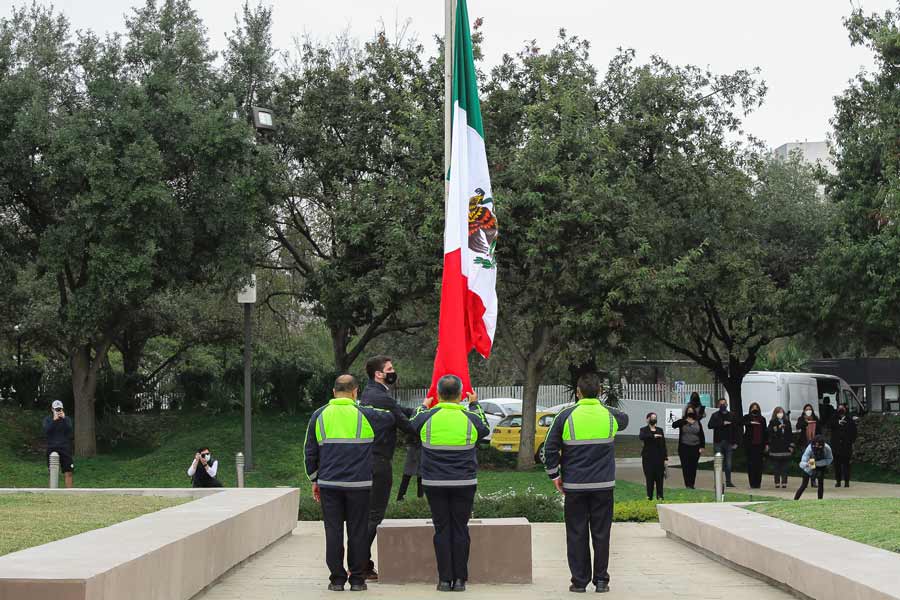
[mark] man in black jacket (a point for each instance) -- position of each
(726, 433)
(58, 429)
(376, 394)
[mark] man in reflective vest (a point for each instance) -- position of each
(338, 453)
(580, 459)
(449, 434)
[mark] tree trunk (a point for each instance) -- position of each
(340, 339)
(534, 367)
(533, 376)
(84, 388)
(733, 387)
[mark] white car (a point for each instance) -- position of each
(497, 409)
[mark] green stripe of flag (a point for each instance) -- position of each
(465, 82)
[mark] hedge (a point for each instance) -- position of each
(536, 507)
(878, 441)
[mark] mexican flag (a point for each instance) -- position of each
(468, 287)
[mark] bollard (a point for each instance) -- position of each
(54, 470)
(239, 462)
(719, 484)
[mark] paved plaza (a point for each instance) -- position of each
(645, 564)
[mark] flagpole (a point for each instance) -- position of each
(449, 34)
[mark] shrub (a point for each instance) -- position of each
(492, 459)
(534, 506)
(878, 441)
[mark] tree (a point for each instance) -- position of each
(547, 157)
(720, 232)
(854, 285)
(359, 218)
(126, 174)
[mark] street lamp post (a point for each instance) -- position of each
(247, 297)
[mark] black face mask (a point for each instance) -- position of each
(652, 421)
(390, 378)
(723, 407)
(754, 412)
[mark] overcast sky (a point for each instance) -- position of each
(800, 45)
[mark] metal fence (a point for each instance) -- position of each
(553, 395)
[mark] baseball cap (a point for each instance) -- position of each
(56, 404)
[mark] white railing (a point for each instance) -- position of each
(553, 395)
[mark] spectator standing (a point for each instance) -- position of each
(377, 394)
(203, 469)
(843, 434)
(580, 458)
(816, 458)
(654, 456)
(698, 406)
(58, 431)
(781, 445)
(756, 438)
(691, 441)
(827, 414)
(411, 466)
(726, 434)
(808, 426)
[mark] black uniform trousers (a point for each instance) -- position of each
(382, 480)
(588, 515)
(654, 473)
(755, 460)
(351, 507)
(780, 467)
(451, 508)
(842, 467)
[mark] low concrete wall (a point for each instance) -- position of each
(171, 554)
(808, 562)
(500, 551)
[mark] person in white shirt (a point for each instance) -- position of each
(203, 470)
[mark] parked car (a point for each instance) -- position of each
(507, 433)
(497, 409)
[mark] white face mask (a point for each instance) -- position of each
(808, 413)
(779, 416)
(204, 456)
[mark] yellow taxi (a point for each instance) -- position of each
(506, 434)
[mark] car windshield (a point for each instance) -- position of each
(513, 421)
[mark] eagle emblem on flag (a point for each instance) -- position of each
(482, 229)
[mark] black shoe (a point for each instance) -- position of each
(372, 575)
(445, 586)
(846, 484)
(602, 587)
(837, 484)
(333, 587)
(399, 498)
(358, 587)
(729, 484)
(576, 589)
(459, 585)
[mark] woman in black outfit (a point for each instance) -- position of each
(756, 440)
(781, 445)
(808, 426)
(654, 456)
(691, 441)
(843, 434)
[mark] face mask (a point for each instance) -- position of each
(652, 421)
(779, 416)
(690, 415)
(390, 378)
(723, 408)
(204, 456)
(808, 413)
(755, 411)
(842, 410)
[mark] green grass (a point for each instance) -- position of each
(28, 520)
(872, 521)
(278, 444)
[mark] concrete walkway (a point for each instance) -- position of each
(645, 565)
(635, 473)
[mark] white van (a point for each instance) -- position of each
(792, 391)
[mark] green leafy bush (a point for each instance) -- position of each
(878, 441)
(534, 506)
(492, 459)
